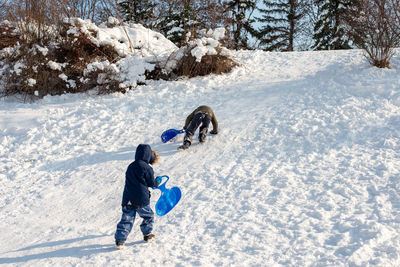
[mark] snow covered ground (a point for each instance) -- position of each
(304, 172)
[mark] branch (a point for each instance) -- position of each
(2, 4)
(122, 23)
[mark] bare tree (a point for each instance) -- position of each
(374, 26)
(211, 13)
(84, 9)
(396, 10)
(304, 39)
(37, 19)
(3, 7)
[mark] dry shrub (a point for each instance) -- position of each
(26, 74)
(8, 35)
(209, 64)
(188, 66)
(37, 21)
(374, 26)
(103, 81)
(43, 58)
(59, 67)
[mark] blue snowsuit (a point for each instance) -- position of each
(136, 196)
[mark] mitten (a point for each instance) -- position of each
(213, 132)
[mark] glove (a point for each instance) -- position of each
(213, 132)
(159, 180)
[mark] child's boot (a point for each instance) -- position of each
(149, 237)
(202, 134)
(185, 145)
(187, 141)
(119, 245)
(202, 137)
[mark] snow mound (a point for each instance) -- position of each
(126, 39)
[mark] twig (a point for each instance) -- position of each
(122, 25)
(4, 2)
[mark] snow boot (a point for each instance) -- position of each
(202, 134)
(149, 237)
(202, 137)
(119, 245)
(185, 145)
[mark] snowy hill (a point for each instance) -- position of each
(304, 172)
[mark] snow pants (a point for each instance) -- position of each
(124, 227)
(200, 118)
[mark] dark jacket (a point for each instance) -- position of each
(139, 176)
(207, 110)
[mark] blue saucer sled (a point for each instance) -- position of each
(170, 134)
(168, 199)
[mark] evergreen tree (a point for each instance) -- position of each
(172, 28)
(178, 22)
(329, 33)
(280, 21)
(137, 11)
(241, 11)
(210, 14)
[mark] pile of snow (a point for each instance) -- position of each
(208, 45)
(126, 39)
(138, 47)
(131, 69)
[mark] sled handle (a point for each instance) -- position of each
(161, 186)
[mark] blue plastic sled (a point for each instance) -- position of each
(170, 134)
(168, 199)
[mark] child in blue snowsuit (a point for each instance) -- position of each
(136, 196)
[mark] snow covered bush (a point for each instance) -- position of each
(55, 68)
(110, 57)
(83, 56)
(199, 57)
(8, 35)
